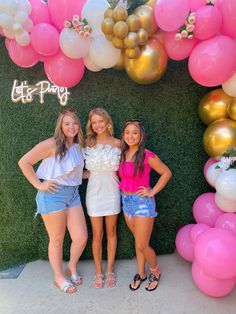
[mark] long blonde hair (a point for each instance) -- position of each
(91, 136)
(59, 136)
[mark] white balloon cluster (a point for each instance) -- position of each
(15, 21)
(223, 178)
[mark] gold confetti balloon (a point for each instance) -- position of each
(131, 40)
(117, 42)
(119, 14)
(151, 3)
(214, 106)
(120, 29)
(133, 23)
(142, 35)
(147, 18)
(150, 66)
(121, 63)
(219, 136)
(232, 110)
(108, 13)
(109, 37)
(107, 26)
(132, 53)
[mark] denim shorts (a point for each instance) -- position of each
(135, 205)
(65, 197)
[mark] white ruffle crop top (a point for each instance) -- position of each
(102, 158)
(67, 171)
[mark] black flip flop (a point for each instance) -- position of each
(152, 278)
(137, 278)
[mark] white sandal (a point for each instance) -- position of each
(65, 286)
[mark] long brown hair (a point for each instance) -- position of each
(61, 148)
(139, 156)
(91, 136)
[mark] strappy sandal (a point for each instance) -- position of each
(153, 278)
(110, 279)
(137, 277)
(98, 281)
(66, 287)
(76, 279)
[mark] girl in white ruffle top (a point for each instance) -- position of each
(102, 157)
(57, 180)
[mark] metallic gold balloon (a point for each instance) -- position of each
(151, 3)
(107, 26)
(147, 18)
(214, 105)
(120, 29)
(121, 63)
(108, 13)
(117, 42)
(132, 53)
(142, 35)
(131, 40)
(119, 14)
(109, 37)
(150, 65)
(219, 136)
(232, 110)
(133, 23)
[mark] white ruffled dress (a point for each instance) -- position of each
(103, 194)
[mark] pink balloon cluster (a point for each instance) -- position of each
(211, 52)
(210, 244)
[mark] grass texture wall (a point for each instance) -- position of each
(168, 109)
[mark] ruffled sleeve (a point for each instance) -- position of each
(148, 154)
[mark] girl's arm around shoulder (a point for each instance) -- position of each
(117, 142)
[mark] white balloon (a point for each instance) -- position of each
(212, 174)
(9, 33)
(21, 17)
(90, 65)
(93, 11)
(226, 184)
(6, 21)
(11, 7)
(23, 38)
(2, 5)
(103, 53)
(229, 86)
(28, 27)
(72, 44)
(25, 5)
(17, 28)
(225, 204)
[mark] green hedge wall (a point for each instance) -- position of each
(168, 109)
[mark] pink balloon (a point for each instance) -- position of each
(227, 222)
(7, 42)
(209, 162)
(205, 209)
(211, 286)
(64, 71)
(215, 252)
(196, 4)
(171, 14)
(197, 230)
(228, 9)
(39, 12)
(45, 39)
(183, 243)
(208, 22)
(213, 61)
(2, 32)
(61, 10)
(23, 56)
(178, 49)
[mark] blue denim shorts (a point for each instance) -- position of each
(135, 205)
(65, 197)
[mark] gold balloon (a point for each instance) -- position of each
(121, 63)
(133, 23)
(120, 29)
(118, 43)
(232, 110)
(147, 18)
(160, 35)
(151, 3)
(219, 136)
(150, 65)
(108, 13)
(109, 37)
(142, 35)
(132, 53)
(131, 40)
(107, 26)
(214, 105)
(119, 14)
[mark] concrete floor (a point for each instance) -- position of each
(33, 292)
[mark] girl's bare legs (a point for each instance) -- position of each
(77, 228)
(55, 224)
(111, 222)
(97, 229)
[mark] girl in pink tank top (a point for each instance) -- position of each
(138, 198)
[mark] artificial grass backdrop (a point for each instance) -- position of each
(168, 109)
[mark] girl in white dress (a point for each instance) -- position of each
(102, 156)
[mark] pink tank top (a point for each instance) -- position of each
(130, 183)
